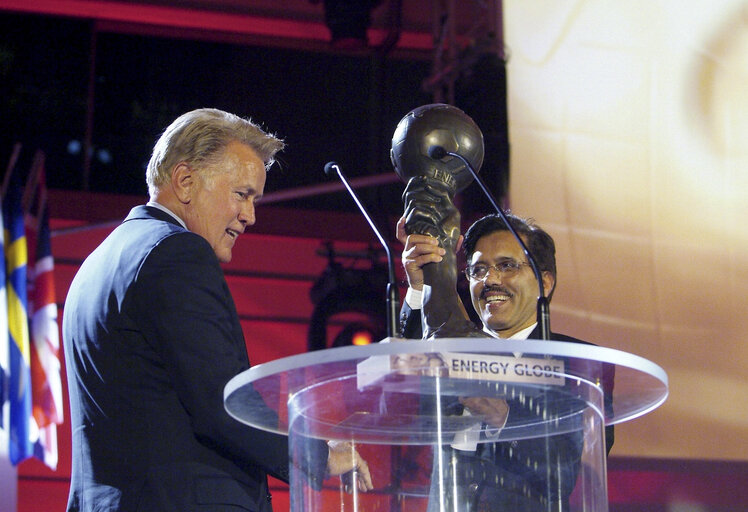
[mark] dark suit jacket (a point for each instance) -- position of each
(505, 462)
(151, 337)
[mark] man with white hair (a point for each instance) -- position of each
(152, 336)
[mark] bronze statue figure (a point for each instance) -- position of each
(429, 204)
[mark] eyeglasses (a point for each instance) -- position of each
(507, 268)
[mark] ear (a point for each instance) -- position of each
(459, 243)
(549, 282)
(183, 182)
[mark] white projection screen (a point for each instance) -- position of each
(628, 124)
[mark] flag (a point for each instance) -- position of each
(19, 386)
(44, 346)
(4, 347)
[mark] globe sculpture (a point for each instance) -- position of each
(431, 185)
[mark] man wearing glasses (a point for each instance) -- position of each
(503, 288)
(503, 292)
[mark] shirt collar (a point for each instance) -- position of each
(164, 209)
(521, 335)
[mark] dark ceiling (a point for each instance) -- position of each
(111, 74)
(416, 15)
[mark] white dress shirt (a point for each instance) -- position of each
(467, 440)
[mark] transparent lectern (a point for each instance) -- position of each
(401, 404)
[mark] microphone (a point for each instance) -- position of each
(543, 309)
(393, 295)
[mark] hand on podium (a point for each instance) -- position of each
(345, 460)
(494, 410)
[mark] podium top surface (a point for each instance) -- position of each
(369, 392)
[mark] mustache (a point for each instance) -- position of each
(495, 289)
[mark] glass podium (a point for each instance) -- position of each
(411, 409)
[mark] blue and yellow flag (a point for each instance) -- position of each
(4, 348)
(19, 385)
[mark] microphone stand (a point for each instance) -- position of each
(543, 308)
(393, 294)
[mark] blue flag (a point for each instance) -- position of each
(4, 347)
(19, 392)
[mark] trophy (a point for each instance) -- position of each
(431, 185)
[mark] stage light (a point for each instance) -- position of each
(358, 334)
(348, 21)
(350, 307)
(360, 338)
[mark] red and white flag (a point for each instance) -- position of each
(46, 380)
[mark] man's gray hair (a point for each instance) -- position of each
(199, 138)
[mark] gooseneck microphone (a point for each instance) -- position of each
(393, 295)
(544, 314)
